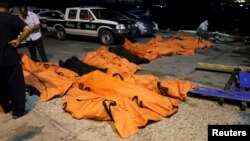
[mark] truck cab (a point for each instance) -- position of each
(99, 22)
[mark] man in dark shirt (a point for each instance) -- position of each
(12, 86)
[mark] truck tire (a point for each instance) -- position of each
(106, 37)
(60, 33)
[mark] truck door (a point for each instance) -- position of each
(71, 22)
(85, 24)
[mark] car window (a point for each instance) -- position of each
(143, 14)
(131, 16)
(57, 15)
(72, 14)
(84, 15)
(45, 14)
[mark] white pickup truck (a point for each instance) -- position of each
(99, 22)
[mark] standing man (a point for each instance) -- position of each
(12, 86)
(202, 31)
(34, 41)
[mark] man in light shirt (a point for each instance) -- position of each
(34, 41)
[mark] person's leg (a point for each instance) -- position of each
(4, 95)
(16, 89)
(41, 49)
(32, 50)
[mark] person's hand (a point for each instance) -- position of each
(21, 17)
(14, 43)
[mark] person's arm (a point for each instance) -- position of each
(35, 27)
(36, 22)
(21, 37)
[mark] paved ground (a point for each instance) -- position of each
(47, 121)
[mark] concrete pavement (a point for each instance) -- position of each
(48, 121)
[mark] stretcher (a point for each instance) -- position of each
(237, 88)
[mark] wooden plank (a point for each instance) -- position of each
(220, 67)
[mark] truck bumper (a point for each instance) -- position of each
(120, 34)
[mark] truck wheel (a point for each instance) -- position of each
(60, 33)
(106, 37)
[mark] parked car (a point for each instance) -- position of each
(99, 22)
(51, 14)
(145, 27)
(37, 10)
(143, 14)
